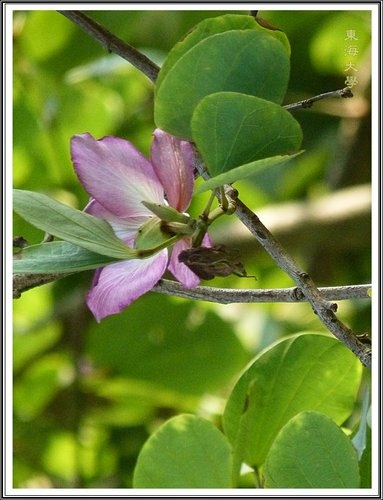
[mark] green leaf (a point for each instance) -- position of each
(69, 224)
(232, 129)
(308, 371)
(186, 452)
(238, 173)
(247, 61)
(311, 451)
(58, 257)
(212, 26)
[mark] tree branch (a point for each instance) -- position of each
(321, 306)
(25, 282)
(257, 295)
(113, 43)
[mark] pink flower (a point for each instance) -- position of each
(119, 178)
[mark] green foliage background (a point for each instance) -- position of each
(87, 395)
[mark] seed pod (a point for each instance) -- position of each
(208, 262)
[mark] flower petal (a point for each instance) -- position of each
(125, 229)
(173, 161)
(117, 285)
(117, 175)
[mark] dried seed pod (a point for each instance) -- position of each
(208, 262)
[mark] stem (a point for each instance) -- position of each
(307, 103)
(113, 43)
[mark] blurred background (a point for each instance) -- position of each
(87, 395)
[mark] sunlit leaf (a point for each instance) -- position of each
(311, 451)
(186, 452)
(304, 372)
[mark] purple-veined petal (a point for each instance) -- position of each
(118, 285)
(117, 175)
(173, 161)
(125, 229)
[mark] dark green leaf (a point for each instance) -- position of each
(212, 26)
(247, 61)
(186, 452)
(311, 451)
(69, 224)
(232, 129)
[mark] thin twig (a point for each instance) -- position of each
(307, 103)
(113, 43)
(149, 68)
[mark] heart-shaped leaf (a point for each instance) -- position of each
(232, 129)
(69, 224)
(251, 62)
(311, 451)
(57, 257)
(186, 452)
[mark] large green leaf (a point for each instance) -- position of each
(247, 61)
(311, 451)
(232, 129)
(58, 257)
(212, 26)
(304, 372)
(186, 452)
(69, 224)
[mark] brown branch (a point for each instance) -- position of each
(25, 282)
(113, 43)
(258, 295)
(321, 306)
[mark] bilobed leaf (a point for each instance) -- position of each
(58, 257)
(251, 62)
(232, 129)
(69, 224)
(309, 371)
(311, 451)
(186, 452)
(238, 173)
(212, 26)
